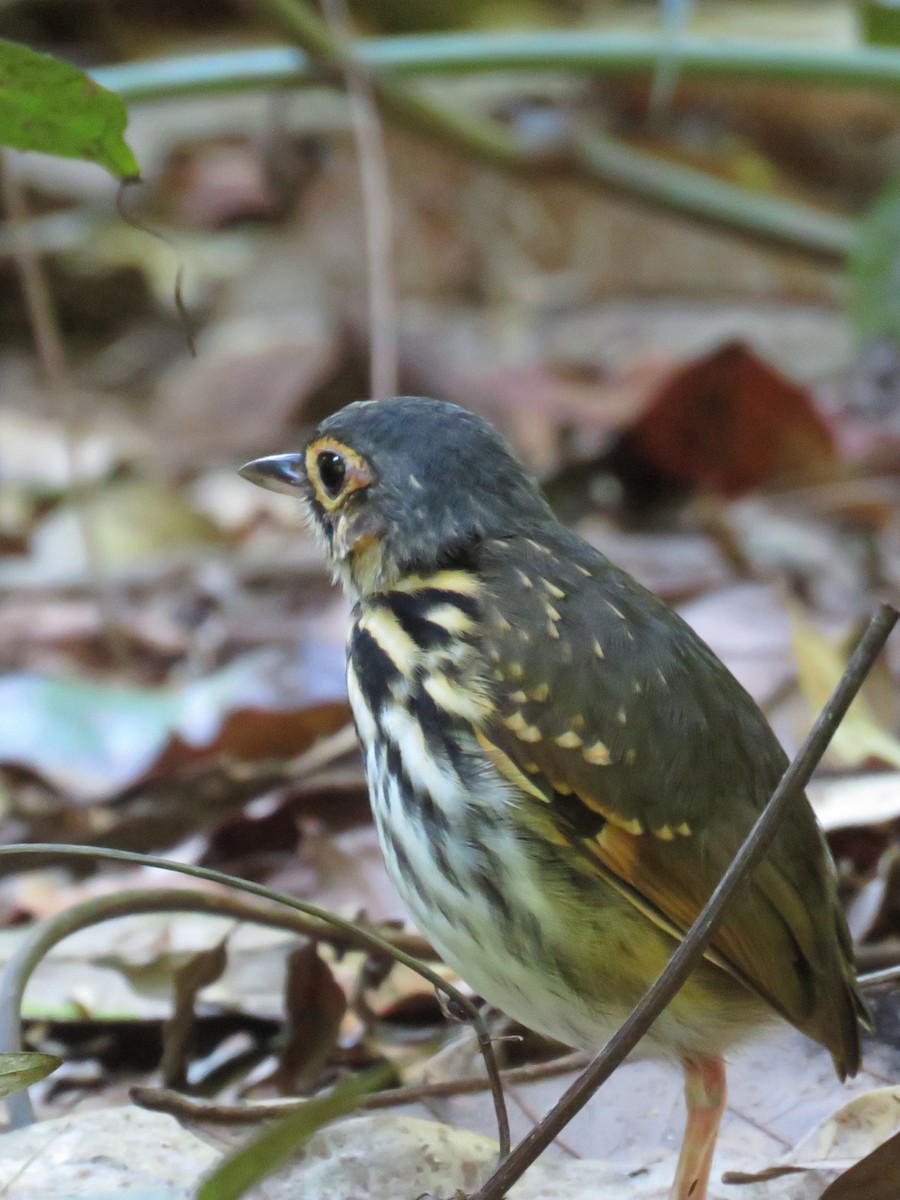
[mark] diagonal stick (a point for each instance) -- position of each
(701, 932)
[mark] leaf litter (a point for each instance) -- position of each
(172, 650)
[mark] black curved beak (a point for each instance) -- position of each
(279, 473)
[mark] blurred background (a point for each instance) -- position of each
(658, 244)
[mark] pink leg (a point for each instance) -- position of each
(704, 1090)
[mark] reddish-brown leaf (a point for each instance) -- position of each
(203, 969)
(729, 422)
(315, 1004)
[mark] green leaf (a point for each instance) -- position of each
(880, 21)
(19, 1071)
(271, 1148)
(875, 268)
(51, 106)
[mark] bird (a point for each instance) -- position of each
(560, 769)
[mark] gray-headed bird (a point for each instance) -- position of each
(560, 769)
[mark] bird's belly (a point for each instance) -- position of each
(462, 921)
(564, 956)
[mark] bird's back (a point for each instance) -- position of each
(639, 722)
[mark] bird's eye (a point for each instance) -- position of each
(336, 472)
(332, 472)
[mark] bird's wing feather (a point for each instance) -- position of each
(651, 758)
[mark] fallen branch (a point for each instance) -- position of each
(186, 1108)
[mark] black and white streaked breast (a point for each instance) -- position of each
(416, 681)
(444, 815)
(416, 686)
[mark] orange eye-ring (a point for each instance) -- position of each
(335, 471)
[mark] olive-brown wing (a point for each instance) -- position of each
(654, 760)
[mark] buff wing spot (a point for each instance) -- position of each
(508, 768)
(569, 740)
(597, 754)
(520, 727)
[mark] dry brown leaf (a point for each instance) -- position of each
(202, 969)
(851, 1133)
(251, 379)
(728, 422)
(315, 1004)
(875, 1177)
(820, 663)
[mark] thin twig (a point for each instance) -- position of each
(874, 979)
(47, 934)
(377, 212)
(530, 1113)
(38, 942)
(321, 754)
(364, 938)
(698, 937)
(38, 304)
(176, 1104)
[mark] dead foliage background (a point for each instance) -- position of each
(718, 414)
